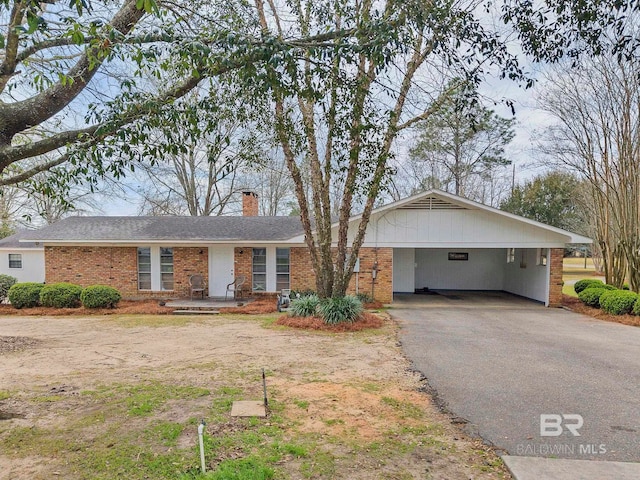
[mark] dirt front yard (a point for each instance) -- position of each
(121, 397)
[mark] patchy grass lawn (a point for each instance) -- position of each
(121, 396)
(573, 270)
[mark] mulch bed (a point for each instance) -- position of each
(140, 307)
(365, 321)
(577, 306)
(257, 307)
(137, 307)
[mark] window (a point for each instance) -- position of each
(511, 255)
(166, 268)
(15, 260)
(542, 256)
(259, 270)
(283, 267)
(144, 268)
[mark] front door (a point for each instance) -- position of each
(220, 269)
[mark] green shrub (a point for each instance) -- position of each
(340, 309)
(625, 286)
(636, 307)
(25, 295)
(60, 295)
(100, 296)
(586, 283)
(6, 282)
(618, 302)
(306, 306)
(591, 296)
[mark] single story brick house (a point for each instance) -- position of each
(22, 259)
(433, 240)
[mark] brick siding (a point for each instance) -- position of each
(303, 277)
(84, 266)
(118, 268)
(249, 204)
(555, 280)
(189, 261)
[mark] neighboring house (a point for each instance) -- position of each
(433, 240)
(22, 260)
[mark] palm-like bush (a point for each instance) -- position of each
(306, 306)
(340, 309)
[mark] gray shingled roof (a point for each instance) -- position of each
(13, 241)
(140, 229)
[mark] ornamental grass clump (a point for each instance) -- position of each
(306, 306)
(340, 309)
(618, 302)
(586, 283)
(60, 295)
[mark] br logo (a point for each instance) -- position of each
(552, 425)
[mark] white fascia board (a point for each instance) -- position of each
(463, 245)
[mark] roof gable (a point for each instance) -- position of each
(453, 206)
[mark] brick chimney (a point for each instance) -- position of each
(249, 204)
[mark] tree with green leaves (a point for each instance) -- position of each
(341, 77)
(555, 198)
(461, 145)
(597, 136)
(338, 111)
(74, 79)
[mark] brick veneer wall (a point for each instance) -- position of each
(303, 276)
(118, 268)
(555, 280)
(242, 265)
(189, 261)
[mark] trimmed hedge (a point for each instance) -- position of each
(60, 295)
(306, 306)
(100, 296)
(618, 302)
(340, 309)
(6, 282)
(25, 294)
(586, 283)
(591, 296)
(636, 307)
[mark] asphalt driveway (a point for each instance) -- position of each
(500, 362)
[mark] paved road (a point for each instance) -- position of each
(500, 362)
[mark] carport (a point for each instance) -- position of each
(521, 271)
(440, 241)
